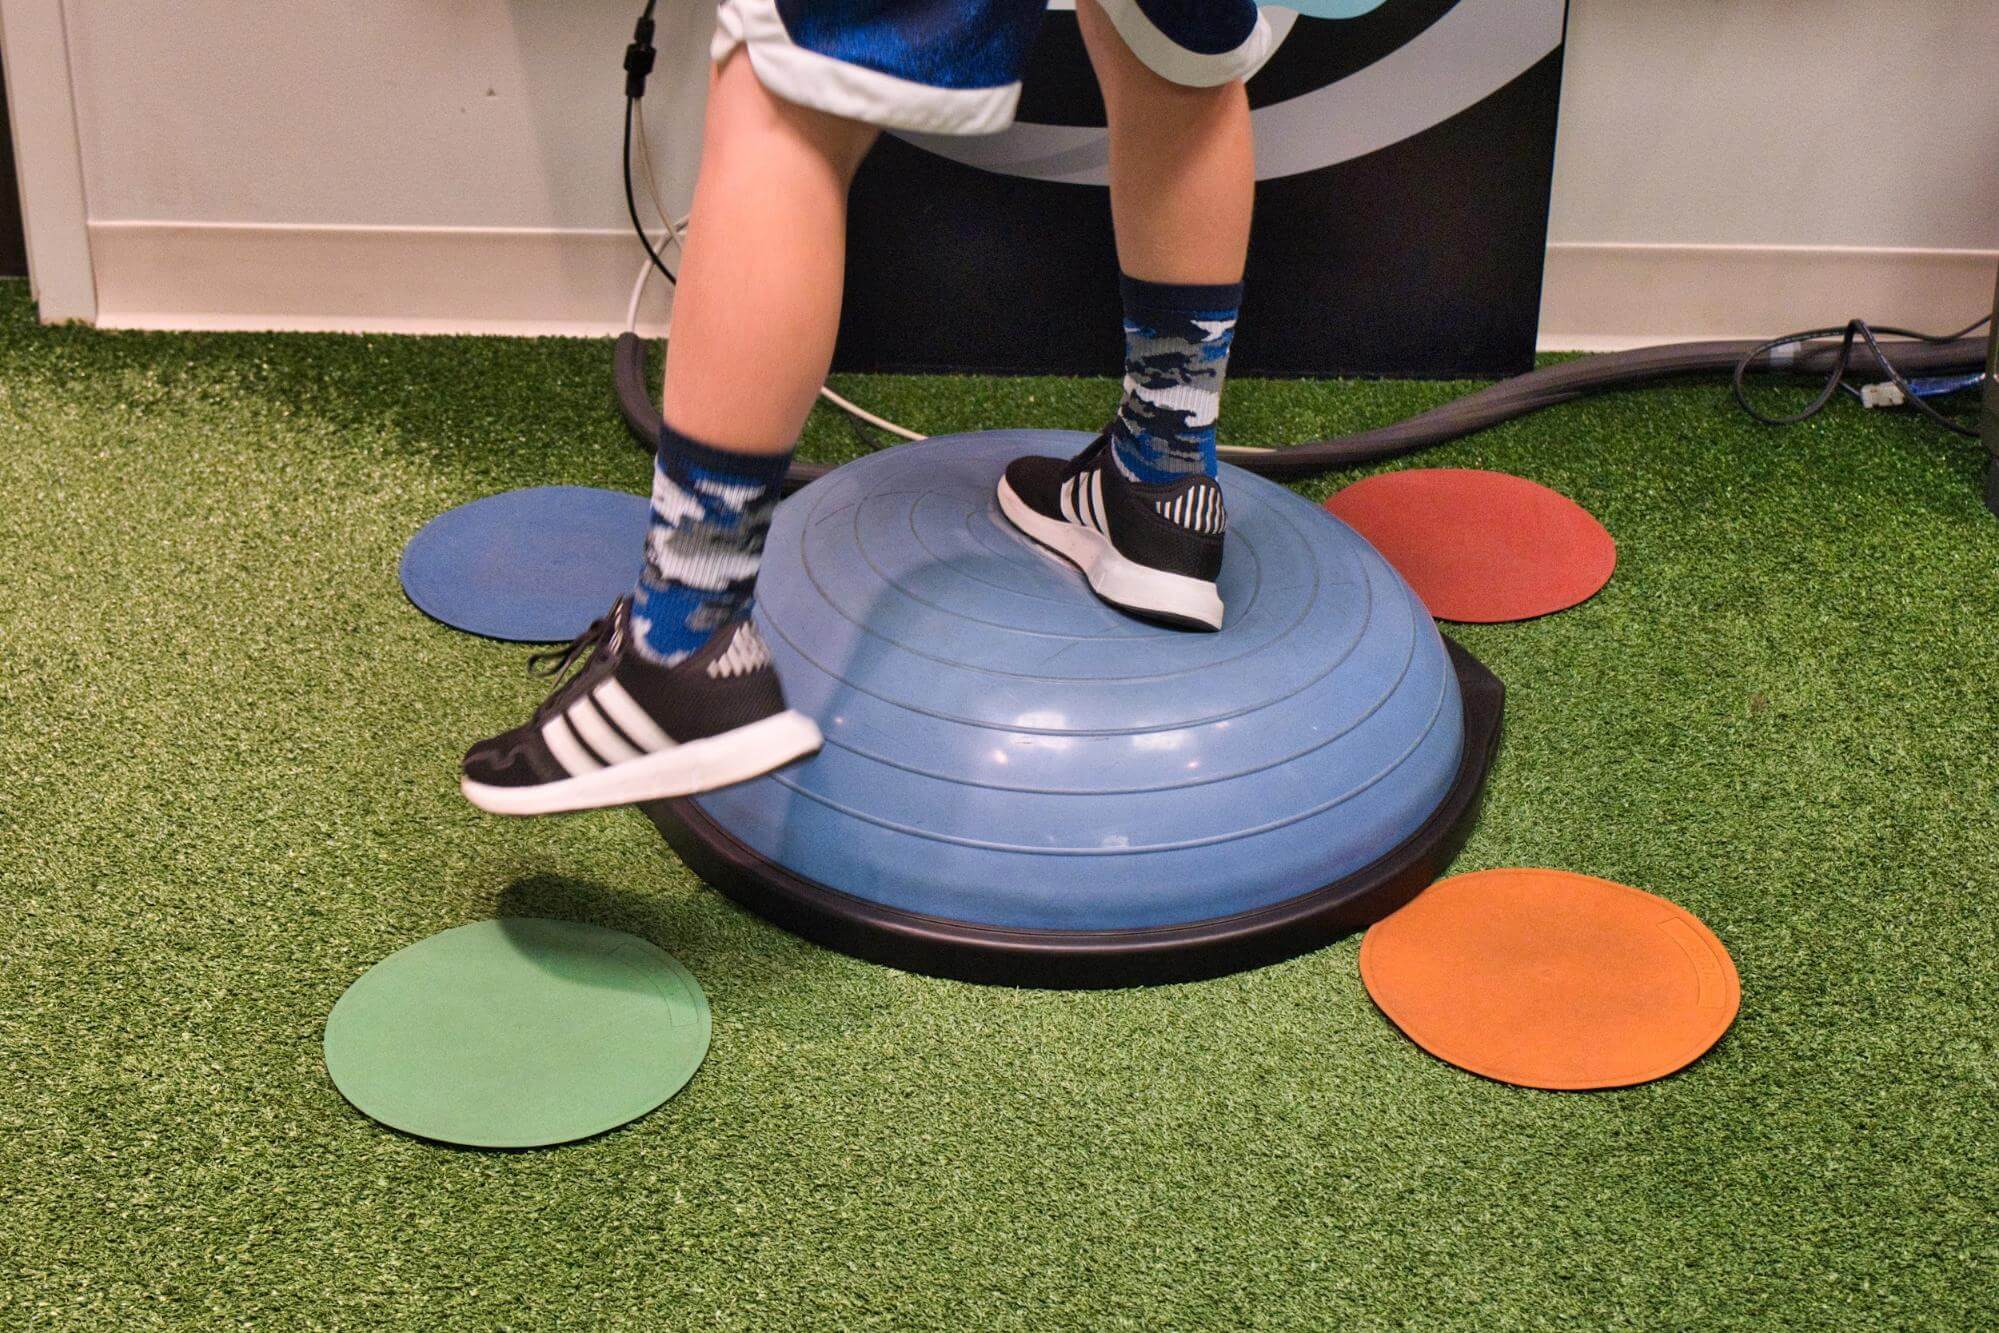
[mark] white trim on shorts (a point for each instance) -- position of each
(1170, 60)
(854, 91)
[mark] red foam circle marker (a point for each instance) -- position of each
(1549, 979)
(1481, 547)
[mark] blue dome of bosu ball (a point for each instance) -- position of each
(1020, 784)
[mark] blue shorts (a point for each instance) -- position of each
(954, 66)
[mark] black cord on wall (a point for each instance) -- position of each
(639, 57)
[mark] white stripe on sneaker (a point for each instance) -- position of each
(1118, 580)
(746, 652)
(561, 742)
(598, 734)
(634, 721)
(699, 765)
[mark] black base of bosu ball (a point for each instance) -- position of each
(1023, 786)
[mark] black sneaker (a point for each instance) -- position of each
(1152, 550)
(625, 729)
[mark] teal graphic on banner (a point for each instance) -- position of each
(1329, 9)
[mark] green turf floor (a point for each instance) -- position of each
(227, 750)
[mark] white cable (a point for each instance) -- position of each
(673, 229)
(863, 414)
(672, 232)
(645, 165)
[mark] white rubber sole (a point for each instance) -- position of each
(750, 751)
(1123, 583)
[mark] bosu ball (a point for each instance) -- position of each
(1023, 785)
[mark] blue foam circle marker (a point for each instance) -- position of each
(1020, 783)
(529, 566)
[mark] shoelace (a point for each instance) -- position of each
(1084, 461)
(556, 662)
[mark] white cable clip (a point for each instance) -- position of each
(1885, 394)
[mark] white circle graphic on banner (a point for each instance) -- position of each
(1470, 53)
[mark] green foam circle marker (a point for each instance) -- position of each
(517, 1033)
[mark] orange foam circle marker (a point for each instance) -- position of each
(1481, 547)
(1549, 979)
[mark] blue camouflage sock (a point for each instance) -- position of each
(1176, 353)
(711, 509)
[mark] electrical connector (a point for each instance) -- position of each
(639, 56)
(1885, 394)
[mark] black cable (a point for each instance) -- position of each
(1841, 366)
(639, 57)
(1504, 401)
(631, 200)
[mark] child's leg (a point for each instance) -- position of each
(680, 695)
(1183, 171)
(758, 300)
(754, 318)
(1140, 511)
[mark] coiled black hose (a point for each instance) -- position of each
(1504, 401)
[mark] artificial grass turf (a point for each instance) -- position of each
(227, 750)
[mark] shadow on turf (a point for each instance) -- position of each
(716, 940)
(667, 922)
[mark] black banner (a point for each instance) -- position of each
(1404, 160)
(13, 243)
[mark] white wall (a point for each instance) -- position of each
(1781, 122)
(1736, 167)
(47, 159)
(444, 113)
(391, 164)
(1725, 166)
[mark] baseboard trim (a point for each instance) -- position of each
(1607, 297)
(516, 281)
(577, 283)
